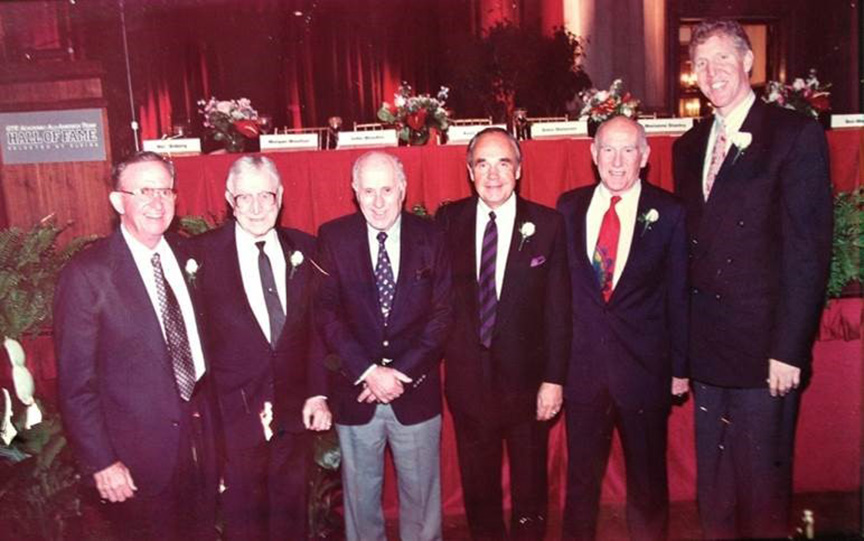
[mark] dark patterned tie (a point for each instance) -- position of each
(384, 278)
(607, 248)
(488, 298)
(271, 295)
(175, 332)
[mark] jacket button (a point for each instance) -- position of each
(694, 241)
(386, 343)
(729, 260)
(175, 423)
(695, 291)
(717, 296)
(740, 223)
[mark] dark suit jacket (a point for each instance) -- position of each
(636, 342)
(247, 371)
(531, 339)
(760, 247)
(118, 396)
(351, 324)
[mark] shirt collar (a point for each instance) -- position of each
(735, 118)
(507, 210)
(138, 248)
(392, 234)
(247, 240)
(630, 194)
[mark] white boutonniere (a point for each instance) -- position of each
(741, 140)
(191, 269)
(647, 218)
(526, 230)
(296, 260)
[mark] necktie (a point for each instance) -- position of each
(488, 298)
(717, 158)
(271, 295)
(607, 248)
(175, 332)
(384, 278)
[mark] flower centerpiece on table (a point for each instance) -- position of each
(230, 121)
(413, 116)
(601, 105)
(807, 96)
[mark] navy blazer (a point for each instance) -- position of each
(531, 338)
(760, 246)
(350, 321)
(118, 396)
(636, 342)
(247, 370)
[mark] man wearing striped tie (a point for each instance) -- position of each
(506, 356)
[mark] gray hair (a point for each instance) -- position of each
(643, 138)
(488, 131)
(248, 164)
(377, 155)
(720, 27)
(140, 157)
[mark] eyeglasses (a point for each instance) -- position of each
(150, 194)
(265, 200)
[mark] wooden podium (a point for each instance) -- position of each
(76, 192)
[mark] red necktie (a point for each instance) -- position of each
(607, 248)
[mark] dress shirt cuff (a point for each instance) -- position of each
(318, 396)
(366, 373)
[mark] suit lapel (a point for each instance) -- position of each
(362, 254)
(516, 269)
(464, 250)
(579, 226)
(293, 284)
(410, 261)
(637, 243)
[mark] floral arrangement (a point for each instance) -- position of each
(230, 121)
(807, 96)
(412, 116)
(600, 105)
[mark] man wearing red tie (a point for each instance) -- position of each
(628, 258)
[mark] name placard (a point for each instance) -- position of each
(555, 130)
(371, 138)
(666, 125)
(73, 135)
(289, 141)
(847, 121)
(174, 147)
(461, 135)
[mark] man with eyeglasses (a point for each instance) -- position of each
(255, 281)
(132, 385)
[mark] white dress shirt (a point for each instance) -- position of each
(626, 210)
(392, 244)
(732, 122)
(505, 221)
(174, 276)
(247, 255)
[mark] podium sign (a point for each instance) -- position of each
(72, 135)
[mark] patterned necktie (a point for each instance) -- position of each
(175, 332)
(271, 296)
(487, 296)
(717, 157)
(384, 278)
(607, 248)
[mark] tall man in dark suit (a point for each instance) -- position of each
(256, 287)
(756, 186)
(132, 380)
(627, 249)
(508, 350)
(384, 310)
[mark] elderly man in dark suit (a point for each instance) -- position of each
(255, 281)
(384, 310)
(132, 375)
(756, 185)
(628, 265)
(507, 354)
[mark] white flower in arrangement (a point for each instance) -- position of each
(602, 96)
(399, 100)
(296, 259)
(799, 84)
(526, 230)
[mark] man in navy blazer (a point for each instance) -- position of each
(629, 340)
(132, 377)
(505, 376)
(384, 309)
(756, 185)
(269, 379)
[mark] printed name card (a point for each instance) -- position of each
(371, 138)
(847, 121)
(174, 147)
(666, 125)
(289, 141)
(461, 135)
(554, 130)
